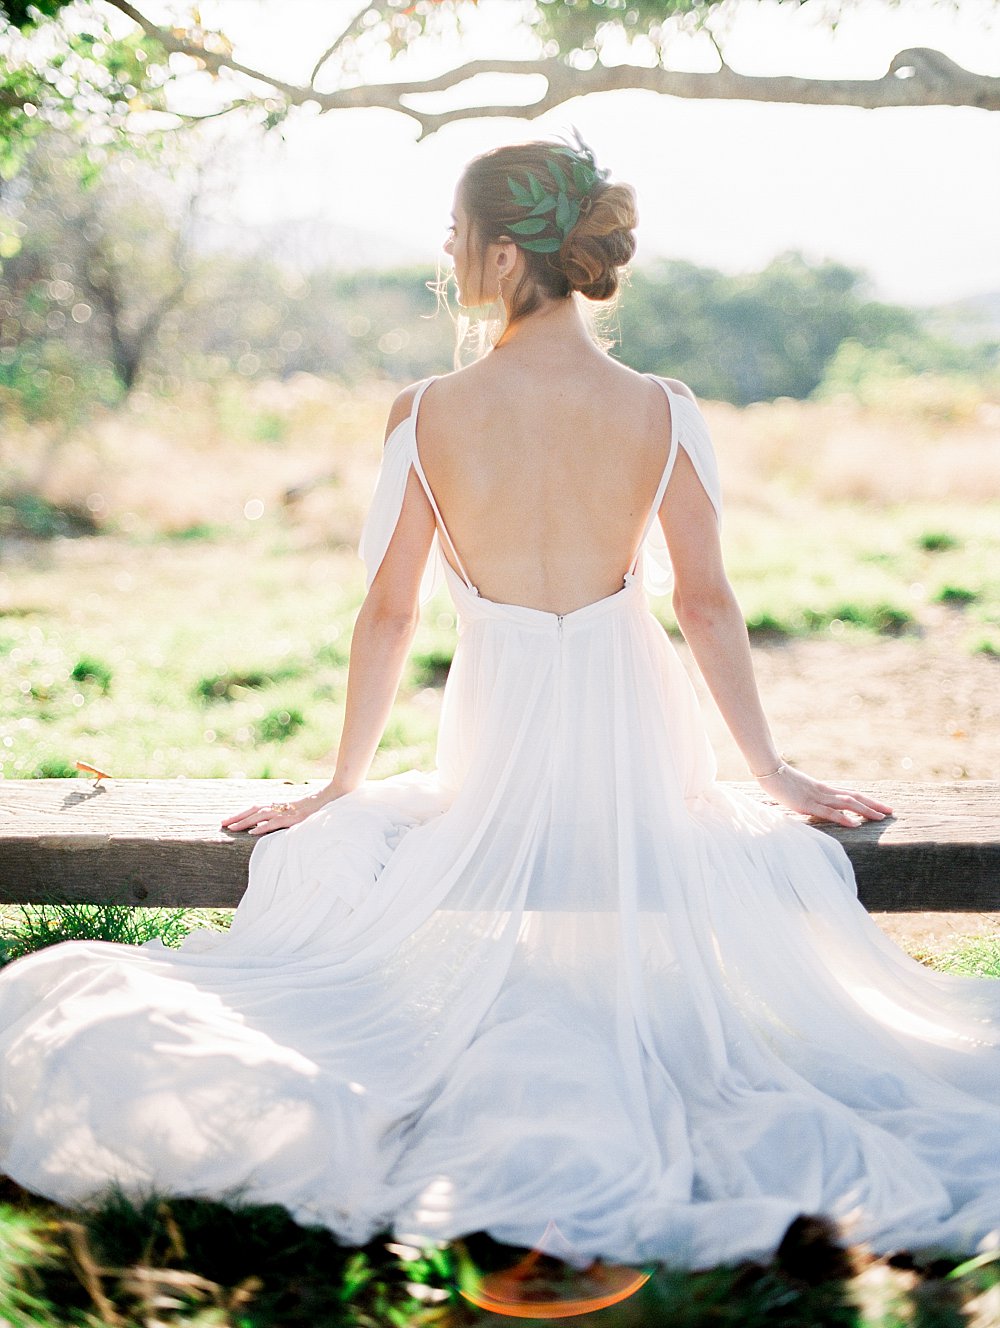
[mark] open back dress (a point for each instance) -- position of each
(566, 978)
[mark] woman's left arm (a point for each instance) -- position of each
(383, 633)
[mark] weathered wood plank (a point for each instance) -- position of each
(158, 842)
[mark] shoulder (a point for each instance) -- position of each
(402, 407)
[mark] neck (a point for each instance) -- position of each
(553, 320)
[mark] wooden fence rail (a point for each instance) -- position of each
(158, 842)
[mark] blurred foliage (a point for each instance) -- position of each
(782, 332)
(62, 68)
(107, 285)
(96, 261)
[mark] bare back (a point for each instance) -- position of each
(544, 473)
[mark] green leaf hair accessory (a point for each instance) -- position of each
(554, 202)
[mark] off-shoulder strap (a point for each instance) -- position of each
(387, 502)
(688, 430)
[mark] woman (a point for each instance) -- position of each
(566, 978)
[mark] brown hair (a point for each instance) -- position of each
(585, 254)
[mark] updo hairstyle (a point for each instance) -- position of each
(580, 239)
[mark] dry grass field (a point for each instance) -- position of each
(864, 543)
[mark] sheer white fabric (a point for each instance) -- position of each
(564, 978)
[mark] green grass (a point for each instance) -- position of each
(175, 1261)
(92, 670)
(987, 646)
(430, 667)
(54, 768)
(24, 929)
(973, 956)
(937, 541)
(956, 596)
(835, 566)
(279, 725)
(206, 683)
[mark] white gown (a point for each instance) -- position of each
(566, 978)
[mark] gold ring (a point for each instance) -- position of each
(282, 806)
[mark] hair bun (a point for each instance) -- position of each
(601, 242)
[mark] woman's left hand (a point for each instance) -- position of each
(797, 791)
(277, 815)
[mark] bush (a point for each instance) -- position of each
(956, 596)
(431, 668)
(87, 669)
(54, 768)
(30, 514)
(278, 725)
(937, 541)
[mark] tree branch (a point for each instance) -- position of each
(216, 61)
(935, 81)
(351, 28)
(915, 77)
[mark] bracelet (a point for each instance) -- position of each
(776, 771)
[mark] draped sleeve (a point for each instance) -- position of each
(692, 434)
(386, 505)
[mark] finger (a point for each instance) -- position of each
(241, 816)
(853, 803)
(882, 807)
(835, 815)
(864, 806)
(242, 821)
(277, 822)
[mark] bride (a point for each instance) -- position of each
(566, 978)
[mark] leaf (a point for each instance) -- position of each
(535, 185)
(522, 197)
(546, 246)
(563, 213)
(583, 177)
(529, 226)
(562, 183)
(546, 205)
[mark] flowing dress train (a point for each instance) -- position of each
(566, 977)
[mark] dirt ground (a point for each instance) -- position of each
(869, 708)
(904, 709)
(927, 934)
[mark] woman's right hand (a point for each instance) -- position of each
(263, 820)
(801, 793)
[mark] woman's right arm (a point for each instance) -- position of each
(713, 626)
(380, 644)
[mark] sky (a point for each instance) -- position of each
(910, 195)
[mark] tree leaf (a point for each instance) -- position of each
(563, 213)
